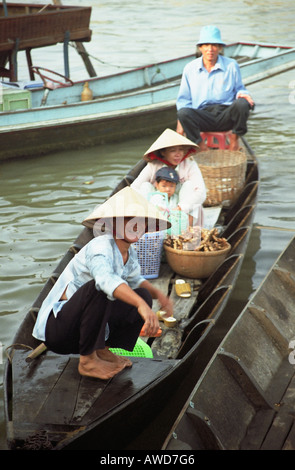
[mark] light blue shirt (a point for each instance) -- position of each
(100, 260)
(199, 88)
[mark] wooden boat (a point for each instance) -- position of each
(42, 116)
(47, 402)
(244, 400)
(24, 27)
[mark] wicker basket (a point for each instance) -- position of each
(195, 264)
(224, 174)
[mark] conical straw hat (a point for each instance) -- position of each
(128, 203)
(170, 138)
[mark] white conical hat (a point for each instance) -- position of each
(170, 138)
(128, 203)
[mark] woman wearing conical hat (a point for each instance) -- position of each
(174, 150)
(100, 300)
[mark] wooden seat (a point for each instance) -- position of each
(216, 139)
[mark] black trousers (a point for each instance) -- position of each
(80, 326)
(215, 118)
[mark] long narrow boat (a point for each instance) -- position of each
(244, 400)
(47, 403)
(37, 118)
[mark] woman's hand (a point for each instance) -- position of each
(164, 301)
(165, 304)
(151, 322)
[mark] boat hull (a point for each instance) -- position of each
(244, 400)
(116, 127)
(124, 105)
(80, 413)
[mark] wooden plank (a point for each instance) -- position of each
(126, 385)
(163, 282)
(50, 389)
(32, 383)
(257, 430)
(245, 380)
(89, 391)
(278, 432)
(195, 432)
(168, 344)
(45, 29)
(289, 444)
(281, 433)
(60, 404)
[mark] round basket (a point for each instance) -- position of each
(224, 174)
(195, 264)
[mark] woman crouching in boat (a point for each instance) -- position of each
(100, 300)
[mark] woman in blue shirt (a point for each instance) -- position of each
(101, 300)
(212, 96)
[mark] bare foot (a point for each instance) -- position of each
(107, 355)
(234, 142)
(92, 366)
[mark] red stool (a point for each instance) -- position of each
(216, 139)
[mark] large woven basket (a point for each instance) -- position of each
(195, 264)
(224, 174)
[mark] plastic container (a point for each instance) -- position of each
(14, 99)
(149, 251)
(86, 94)
(141, 349)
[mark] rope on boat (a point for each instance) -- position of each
(37, 441)
(25, 346)
(158, 71)
(106, 63)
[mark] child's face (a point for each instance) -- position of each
(166, 187)
(174, 155)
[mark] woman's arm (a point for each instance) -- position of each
(164, 301)
(144, 176)
(193, 189)
(126, 294)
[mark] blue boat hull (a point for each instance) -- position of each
(124, 105)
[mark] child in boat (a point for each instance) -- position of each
(100, 300)
(163, 195)
(174, 151)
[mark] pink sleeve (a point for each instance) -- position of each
(146, 175)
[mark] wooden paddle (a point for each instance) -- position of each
(36, 352)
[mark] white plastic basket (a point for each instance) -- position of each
(149, 251)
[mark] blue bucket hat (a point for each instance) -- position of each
(210, 35)
(168, 174)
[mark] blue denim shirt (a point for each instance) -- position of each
(100, 260)
(199, 88)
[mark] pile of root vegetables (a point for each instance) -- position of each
(197, 239)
